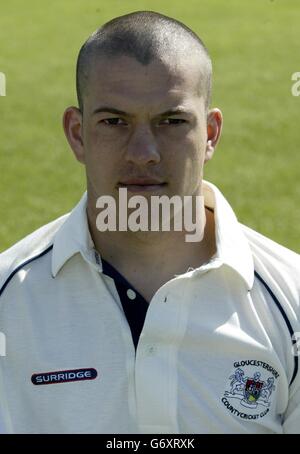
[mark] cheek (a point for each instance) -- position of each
(97, 149)
(188, 151)
(99, 161)
(93, 140)
(189, 164)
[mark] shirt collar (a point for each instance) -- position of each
(233, 248)
(73, 237)
(232, 245)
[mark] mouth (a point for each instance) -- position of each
(142, 185)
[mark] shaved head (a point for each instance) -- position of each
(145, 36)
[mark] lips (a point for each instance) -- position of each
(142, 184)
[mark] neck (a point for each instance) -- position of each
(162, 250)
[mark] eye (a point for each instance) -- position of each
(174, 121)
(111, 121)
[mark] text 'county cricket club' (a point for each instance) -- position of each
(250, 389)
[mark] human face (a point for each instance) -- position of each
(128, 136)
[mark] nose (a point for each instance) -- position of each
(142, 148)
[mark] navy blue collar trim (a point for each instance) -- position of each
(287, 322)
(22, 266)
(135, 310)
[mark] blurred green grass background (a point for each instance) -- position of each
(255, 50)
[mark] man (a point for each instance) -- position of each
(123, 331)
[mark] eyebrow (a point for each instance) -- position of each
(175, 111)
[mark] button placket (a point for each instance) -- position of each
(156, 364)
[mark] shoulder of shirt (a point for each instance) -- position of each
(28, 248)
(276, 264)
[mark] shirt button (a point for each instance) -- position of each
(131, 294)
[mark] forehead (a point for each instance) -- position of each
(123, 79)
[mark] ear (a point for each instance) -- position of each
(214, 129)
(72, 124)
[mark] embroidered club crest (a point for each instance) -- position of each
(250, 389)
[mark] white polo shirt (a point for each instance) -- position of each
(212, 353)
